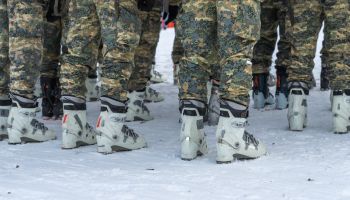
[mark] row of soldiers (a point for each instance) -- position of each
(218, 39)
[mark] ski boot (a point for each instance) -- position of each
(297, 109)
(22, 125)
(281, 95)
(261, 94)
(214, 105)
(324, 78)
(76, 131)
(192, 136)
(151, 95)
(156, 77)
(5, 106)
(113, 135)
(232, 140)
(271, 80)
(92, 89)
(341, 111)
(137, 110)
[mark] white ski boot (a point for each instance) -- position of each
(5, 106)
(137, 110)
(261, 93)
(76, 131)
(113, 135)
(297, 109)
(22, 125)
(214, 106)
(192, 136)
(233, 141)
(92, 89)
(281, 91)
(156, 77)
(151, 95)
(341, 111)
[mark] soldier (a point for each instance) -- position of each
(144, 55)
(231, 27)
(5, 102)
(26, 29)
(119, 26)
(274, 13)
(307, 23)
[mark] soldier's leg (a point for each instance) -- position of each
(196, 28)
(238, 31)
(49, 79)
(82, 38)
(262, 54)
(144, 55)
(121, 29)
(283, 56)
(337, 48)
(92, 83)
(26, 30)
(5, 102)
(304, 32)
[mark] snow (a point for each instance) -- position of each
(308, 165)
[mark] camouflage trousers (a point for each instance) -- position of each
(307, 23)
(119, 26)
(4, 49)
(230, 27)
(146, 49)
(274, 13)
(26, 29)
(52, 41)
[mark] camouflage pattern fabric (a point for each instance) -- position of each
(230, 27)
(146, 49)
(119, 26)
(52, 40)
(304, 32)
(26, 28)
(4, 49)
(178, 51)
(274, 13)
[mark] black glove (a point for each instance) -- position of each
(145, 5)
(171, 15)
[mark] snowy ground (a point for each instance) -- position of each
(314, 164)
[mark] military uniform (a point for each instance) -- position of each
(146, 49)
(225, 32)
(307, 23)
(233, 36)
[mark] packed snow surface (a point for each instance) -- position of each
(313, 164)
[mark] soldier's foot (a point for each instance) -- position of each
(281, 95)
(341, 111)
(113, 135)
(297, 109)
(137, 110)
(156, 77)
(261, 94)
(232, 140)
(23, 126)
(192, 136)
(151, 95)
(76, 131)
